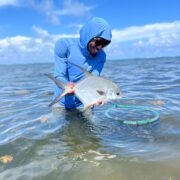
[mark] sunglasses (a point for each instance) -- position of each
(101, 42)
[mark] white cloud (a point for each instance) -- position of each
(146, 31)
(159, 39)
(16, 3)
(73, 8)
(153, 40)
(69, 8)
(9, 2)
(46, 8)
(42, 6)
(53, 11)
(22, 49)
(53, 19)
(41, 32)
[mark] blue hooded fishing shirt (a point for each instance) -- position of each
(75, 50)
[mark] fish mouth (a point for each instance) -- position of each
(115, 98)
(120, 96)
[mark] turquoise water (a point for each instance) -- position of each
(69, 145)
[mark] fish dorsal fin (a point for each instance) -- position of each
(83, 69)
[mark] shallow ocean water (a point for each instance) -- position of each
(70, 145)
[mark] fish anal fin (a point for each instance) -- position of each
(58, 98)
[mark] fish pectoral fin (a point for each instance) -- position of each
(58, 98)
(100, 92)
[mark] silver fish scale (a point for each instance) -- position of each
(86, 89)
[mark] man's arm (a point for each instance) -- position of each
(99, 66)
(61, 72)
(61, 54)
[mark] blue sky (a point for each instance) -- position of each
(140, 28)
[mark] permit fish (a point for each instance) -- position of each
(90, 89)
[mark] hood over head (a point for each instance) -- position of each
(96, 27)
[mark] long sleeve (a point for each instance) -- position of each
(61, 53)
(98, 68)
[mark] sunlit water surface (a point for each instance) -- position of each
(70, 145)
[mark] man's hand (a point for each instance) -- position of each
(71, 85)
(100, 102)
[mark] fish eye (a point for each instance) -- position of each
(118, 94)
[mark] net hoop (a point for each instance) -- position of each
(132, 107)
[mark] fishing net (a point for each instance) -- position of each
(131, 114)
